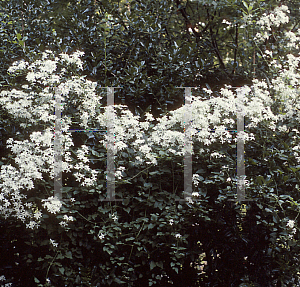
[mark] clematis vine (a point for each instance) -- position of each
(273, 104)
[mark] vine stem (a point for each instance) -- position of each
(137, 237)
(51, 264)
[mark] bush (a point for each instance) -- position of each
(149, 238)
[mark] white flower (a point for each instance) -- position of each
(31, 225)
(114, 217)
(53, 204)
(270, 53)
(196, 179)
(171, 221)
(177, 235)
(217, 155)
(101, 236)
(2, 278)
(290, 224)
(38, 215)
(53, 243)
(149, 117)
(189, 199)
(68, 218)
(81, 154)
(226, 22)
(48, 66)
(31, 77)
(63, 224)
(119, 171)
(19, 65)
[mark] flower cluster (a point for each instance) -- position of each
(2, 278)
(52, 204)
(66, 220)
(275, 18)
(291, 225)
(83, 170)
(34, 157)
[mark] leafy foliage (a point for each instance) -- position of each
(150, 238)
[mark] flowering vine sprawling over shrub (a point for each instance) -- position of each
(143, 152)
(34, 157)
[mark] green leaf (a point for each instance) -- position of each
(147, 185)
(126, 201)
(127, 209)
(61, 270)
(130, 238)
(105, 248)
(150, 226)
(95, 153)
(275, 218)
(260, 180)
(19, 36)
(60, 256)
(69, 255)
(117, 280)
(153, 172)
(152, 265)
(154, 217)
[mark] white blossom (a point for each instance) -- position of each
(190, 200)
(290, 224)
(101, 236)
(195, 194)
(18, 65)
(53, 243)
(178, 235)
(68, 218)
(32, 225)
(63, 224)
(114, 217)
(53, 204)
(38, 214)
